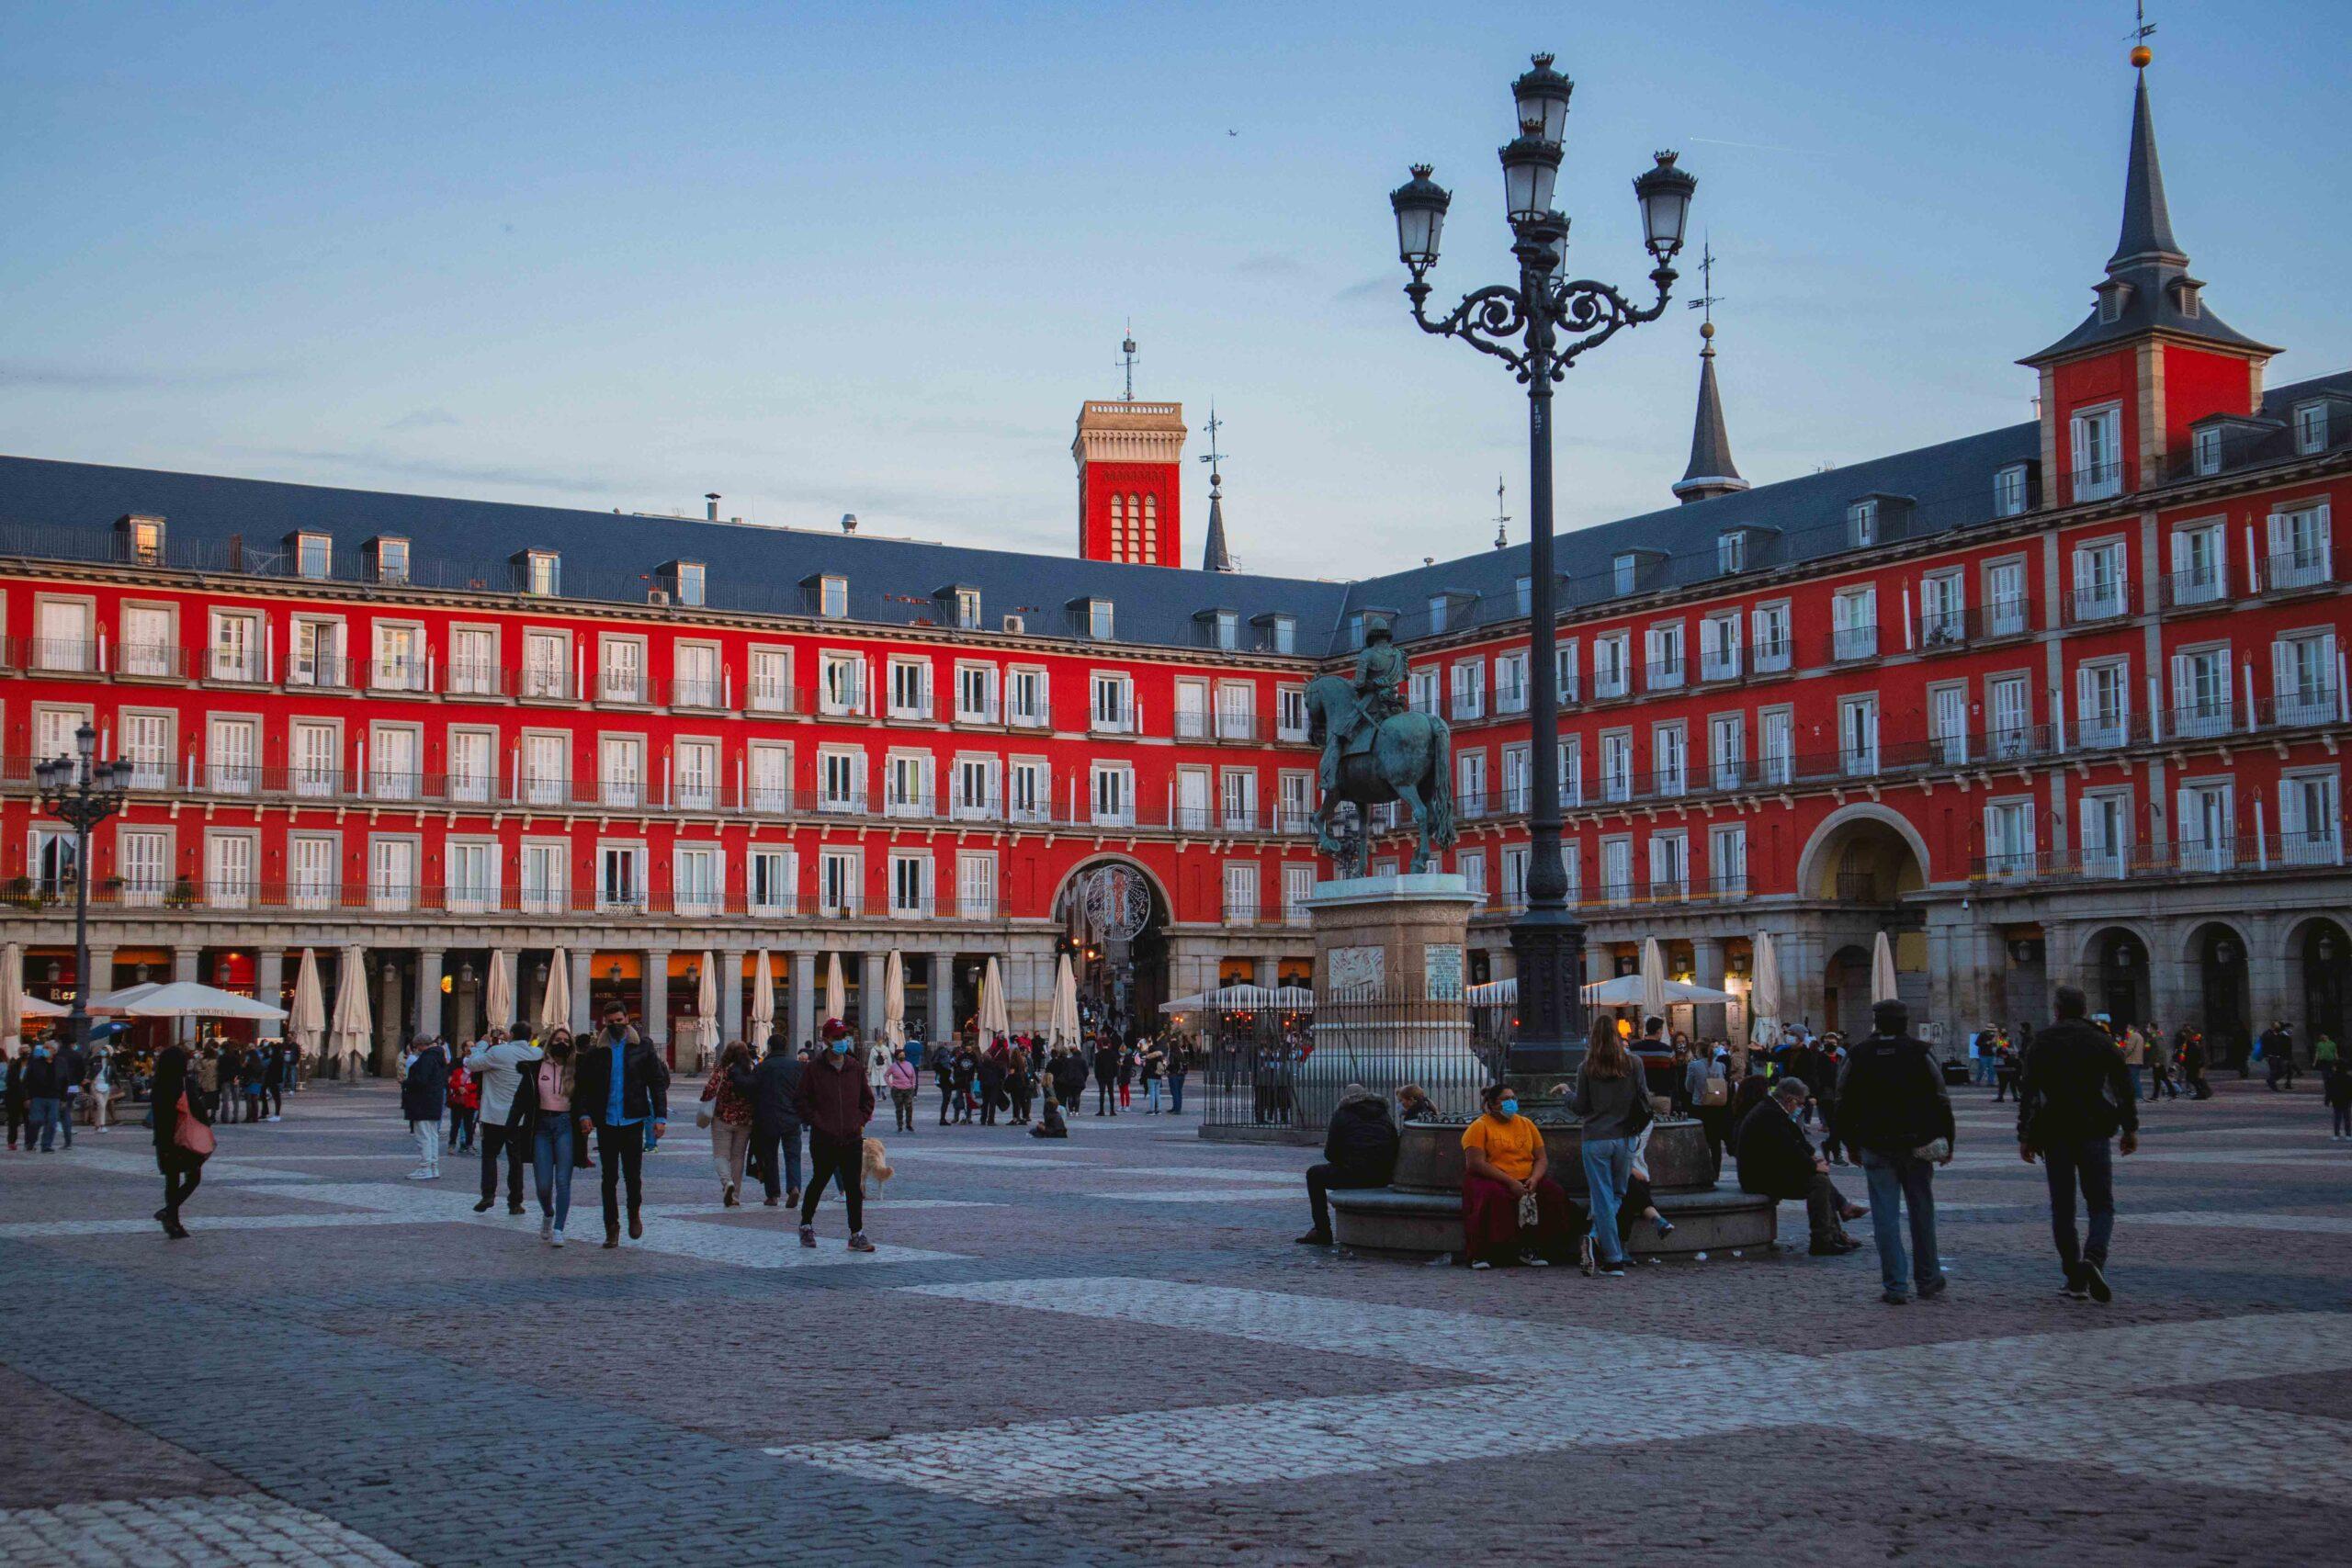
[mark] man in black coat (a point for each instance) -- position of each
(775, 1123)
(424, 1094)
(18, 1102)
(1106, 1078)
(73, 1076)
(621, 1083)
(1777, 1161)
(1359, 1150)
(2073, 1096)
(1892, 1108)
(43, 1087)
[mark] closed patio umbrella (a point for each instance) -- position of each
(894, 1000)
(706, 1009)
(1882, 984)
(834, 1007)
(994, 1018)
(498, 1001)
(555, 1001)
(12, 996)
(1064, 1027)
(1764, 991)
(347, 1041)
(307, 1024)
(763, 1021)
(1653, 979)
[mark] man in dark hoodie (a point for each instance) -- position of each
(1893, 1108)
(1359, 1150)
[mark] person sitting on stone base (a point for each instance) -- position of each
(1358, 1151)
(1504, 1164)
(1776, 1160)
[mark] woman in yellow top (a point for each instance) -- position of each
(1503, 1162)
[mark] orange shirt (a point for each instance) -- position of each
(1509, 1145)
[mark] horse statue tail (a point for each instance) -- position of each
(1437, 788)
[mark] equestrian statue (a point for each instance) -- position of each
(1374, 750)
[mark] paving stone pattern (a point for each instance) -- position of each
(1108, 1351)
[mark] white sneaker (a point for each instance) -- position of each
(555, 1238)
(420, 1175)
(546, 1228)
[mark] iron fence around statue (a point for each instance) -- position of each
(1287, 1072)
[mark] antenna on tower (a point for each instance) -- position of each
(1127, 349)
(1501, 516)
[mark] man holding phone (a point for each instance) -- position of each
(620, 1086)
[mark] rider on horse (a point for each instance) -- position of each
(1380, 671)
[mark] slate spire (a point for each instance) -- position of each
(2147, 221)
(1711, 472)
(1214, 557)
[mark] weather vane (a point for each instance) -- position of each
(2141, 29)
(1213, 458)
(1501, 516)
(1708, 298)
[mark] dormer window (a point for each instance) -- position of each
(1093, 618)
(1355, 630)
(1437, 612)
(142, 539)
(1524, 595)
(1226, 628)
(1277, 634)
(314, 556)
(688, 582)
(833, 597)
(967, 609)
(387, 558)
(1624, 573)
(542, 572)
(2311, 428)
(2009, 491)
(1731, 552)
(1862, 525)
(2205, 450)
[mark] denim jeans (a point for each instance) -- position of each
(1906, 1179)
(1176, 1093)
(2090, 1163)
(1984, 1070)
(551, 1167)
(1151, 1095)
(2135, 1071)
(47, 1115)
(1608, 1165)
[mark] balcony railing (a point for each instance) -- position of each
(1848, 643)
(382, 896)
(2206, 586)
(2098, 602)
(2285, 572)
(1664, 675)
(1943, 630)
(2239, 855)
(1773, 657)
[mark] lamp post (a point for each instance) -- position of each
(1524, 328)
(83, 792)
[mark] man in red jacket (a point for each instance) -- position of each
(835, 1101)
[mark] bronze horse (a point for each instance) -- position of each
(1409, 757)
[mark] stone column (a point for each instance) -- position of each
(2268, 995)
(581, 959)
(731, 995)
(1597, 962)
(1269, 972)
(184, 969)
(654, 988)
(1712, 1022)
(269, 976)
(943, 998)
(465, 1010)
(428, 991)
(387, 1017)
(804, 998)
(869, 993)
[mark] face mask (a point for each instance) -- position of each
(841, 1048)
(1509, 1108)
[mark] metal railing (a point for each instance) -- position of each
(1277, 1072)
(382, 896)
(2237, 855)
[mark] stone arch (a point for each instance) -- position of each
(2096, 935)
(2192, 932)
(1085, 863)
(2115, 968)
(1850, 827)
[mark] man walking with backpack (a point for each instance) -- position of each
(1893, 1109)
(2073, 1096)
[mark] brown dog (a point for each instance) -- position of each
(873, 1169)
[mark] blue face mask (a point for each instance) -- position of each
(841, 1048)
(1507, 1108)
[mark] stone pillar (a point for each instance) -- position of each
(1269, 972)
(731, 995)
(184, 969)
(654, 989)
(387, 1017)
(869, 993)
(2062, 945)
(428, 991)
(2268, 995)
(465, 1006)
(1801, 997)
(1598, 962)
(581, 959)
(941, 1021)
(1712, 1022)
(269, 979)
(804, 998)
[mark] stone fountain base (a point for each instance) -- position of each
(1420, 1212)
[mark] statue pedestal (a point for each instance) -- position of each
(1389, 1004)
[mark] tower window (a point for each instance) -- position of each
(1149, 550)
(1118, 528)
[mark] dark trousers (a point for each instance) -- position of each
(621, 1152)
(1103, 1105)
(182, 1174)
(766, 1140)
(1020, 1093)
(1629, 1208)
(902, 1105)
(2090, 1164)
(274, 1100)
(514, 1141)
(1324, 1178)
(1822, 1202)
(838, 1160)
(1713, 1121)
(946, 1101)
(16, 1113)
(1490, 1228)
(1175, 1093)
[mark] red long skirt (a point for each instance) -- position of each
(1491, 1227)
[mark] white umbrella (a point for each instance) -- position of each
(37, 1007)
(707, 1008)
(1255, 999)
(1624, 991)
(555, 1001)
(352, 1023)
(1883, 970)
(833, 1007)
(308, 1022)
(183, 998)
(994, 1019)
(1063, 1027)
(1653, 979)
(498, 1002)
(894, 1000)
(11, 996)
(1763, 991)
(762, 1022)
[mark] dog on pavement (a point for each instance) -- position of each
(874, 1170)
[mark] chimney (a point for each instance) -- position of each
(849, 522)
(710, 506)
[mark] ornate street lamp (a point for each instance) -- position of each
(1523, 328)
(82, 791)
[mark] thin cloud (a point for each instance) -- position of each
(1370, 288)
(425, 418)
(1269, 264)
(114, 378)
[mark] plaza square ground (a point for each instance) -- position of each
(1108, 1350)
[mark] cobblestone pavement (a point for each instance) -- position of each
(1108, 1351)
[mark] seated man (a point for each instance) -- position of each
(1359, 1150)
(1503, 1161)
(1776, 1160)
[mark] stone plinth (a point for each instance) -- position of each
(1390, 936)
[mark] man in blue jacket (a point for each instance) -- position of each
(620, 1085)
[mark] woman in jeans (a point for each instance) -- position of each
(1613, 1101)
(551, 1134)
(728, 1092)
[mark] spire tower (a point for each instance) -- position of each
(1214, 557)
(1712, 472)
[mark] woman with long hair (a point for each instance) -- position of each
(728, 1093)
(1613, 1101)
(549, 1084)
(183, 1134)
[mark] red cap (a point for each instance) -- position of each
(834, 1029)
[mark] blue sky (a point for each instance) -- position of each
(870, 257)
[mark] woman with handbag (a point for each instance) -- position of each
(1612, 1101)
(726, 1110)
(183, 1135)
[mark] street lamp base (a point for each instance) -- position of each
(1547, 948)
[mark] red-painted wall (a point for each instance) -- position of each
(1099, 483)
